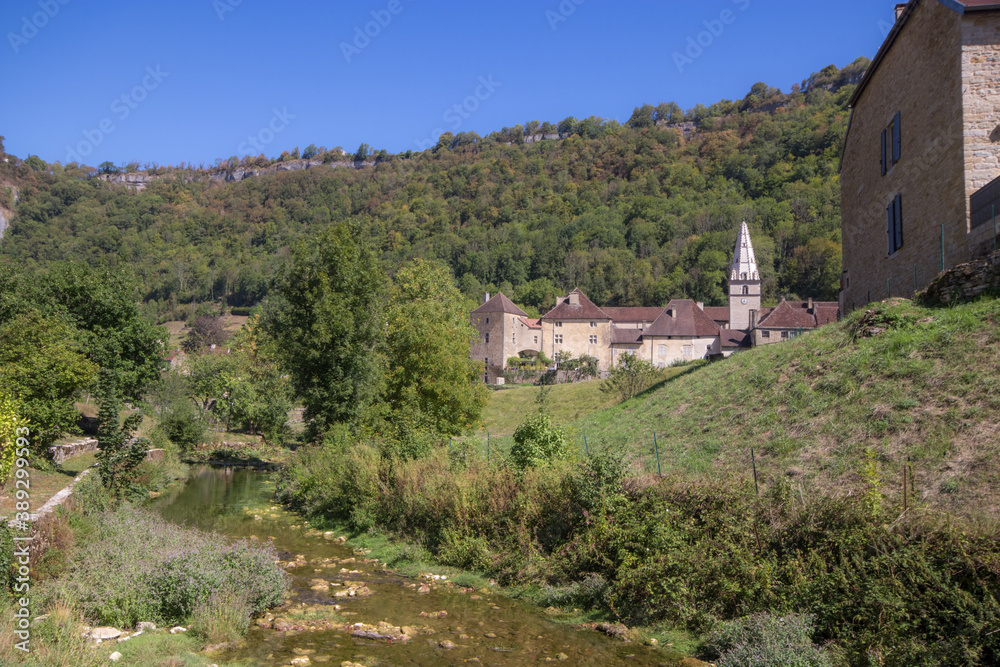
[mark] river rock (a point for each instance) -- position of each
(383, 631)
(447, 644)
(694, 662)
(615, 630)
(303, 660)
(105, 633)
(303, 651)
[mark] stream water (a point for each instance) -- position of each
(478, 627)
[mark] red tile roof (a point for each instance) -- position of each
(586, 310)
(633, 314)
(798, 315)
(733, 338)
(530, 323)
(718, 313)
(683, 318)
(500, 304)
(625, 335)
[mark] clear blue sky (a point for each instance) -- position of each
(186, 80)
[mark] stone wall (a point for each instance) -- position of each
(981, 97)
(60, 453)
(964, 281)
(576, 337)
(920, 77)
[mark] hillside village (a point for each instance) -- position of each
(681, 331)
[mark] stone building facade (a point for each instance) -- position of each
(681, 331)
(923, 139)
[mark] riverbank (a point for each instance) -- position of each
(664, 553)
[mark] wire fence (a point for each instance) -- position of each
(908, 478)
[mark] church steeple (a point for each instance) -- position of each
(744, 282)
(744, 262)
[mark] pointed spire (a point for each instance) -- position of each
(744, 261)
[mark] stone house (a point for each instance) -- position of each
(922, 151)
(681, 331)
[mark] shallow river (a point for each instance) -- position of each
(477, 627)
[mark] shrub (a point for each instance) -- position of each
(182, 424)
(630, 376)
(223, 617)
(765, 640)
(137, 567)
(538, 442)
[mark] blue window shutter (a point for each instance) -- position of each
(895, 139)
(898, 205)
(883, 153)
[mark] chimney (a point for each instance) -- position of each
(673, 313)
(900, 8)
(574, 298)
(810, 308)
(486, 297)
(701, 305)
(753, 319)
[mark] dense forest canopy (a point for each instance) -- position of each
(633, 214)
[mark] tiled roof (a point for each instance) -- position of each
(586, 310)
(733, 338)
(633, 314)
(531, 323)
(718, 313)
(500, 304)
(797, 315)
(624, 335)
(683, 317)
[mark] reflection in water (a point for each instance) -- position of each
(478, 628)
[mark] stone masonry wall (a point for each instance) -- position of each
(965, 281)
(921, 78)
(981, 104)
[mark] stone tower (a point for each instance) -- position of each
(744, 282)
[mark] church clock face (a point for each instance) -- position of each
(743, 301)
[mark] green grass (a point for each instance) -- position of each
(565, 402)
(926, 388)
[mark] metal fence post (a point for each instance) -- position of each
(753, 460)
(656, 450)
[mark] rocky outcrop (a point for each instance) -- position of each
(964, 281)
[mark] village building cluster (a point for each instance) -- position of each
(681, 331)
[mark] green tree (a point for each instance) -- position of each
(103, 305)
(118, 452)
(255, 394)
(11, 425)
(362, 153)
(327, 322)
(430, 382)
(538, 442)
(43, 366)
(630, 376)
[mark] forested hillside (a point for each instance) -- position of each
(633, 214)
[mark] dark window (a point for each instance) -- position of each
(765, 334)
(885, 167)
(896, 147)
(487, 338)
(784, 334)
(746, 290)
(894, 223)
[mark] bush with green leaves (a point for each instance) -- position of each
(630, 376)
(765, 640)
(137, 567)
(538, 442)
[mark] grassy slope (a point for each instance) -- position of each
(565, 402)
(927, 388)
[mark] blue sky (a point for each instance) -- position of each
(186, 80)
